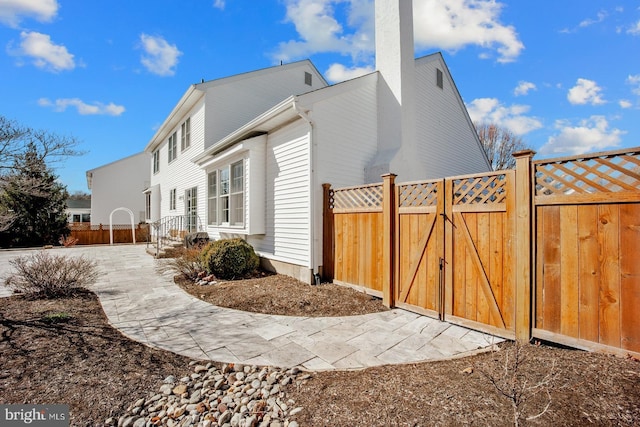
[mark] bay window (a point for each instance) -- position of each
(226, 195)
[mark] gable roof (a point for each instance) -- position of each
(196, 91)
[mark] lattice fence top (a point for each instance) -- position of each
(481, 190)
(418, 194)
(610, 173)
(367, 197)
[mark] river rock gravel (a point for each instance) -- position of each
(233, 395)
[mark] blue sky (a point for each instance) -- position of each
(564, 75)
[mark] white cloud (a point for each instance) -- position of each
(634, 81)
(585, 92)
(442, 24)
(43, 52)
(634, 29)
(97, 108)
(513, 118)
(625, 103)
(523, 88)
(320, 31)
(338, 72)
(219, 4)
(12, 11)
(589, 21)
(159, 56)
(592, 134)
(454, 24)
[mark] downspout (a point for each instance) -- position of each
(312, 185)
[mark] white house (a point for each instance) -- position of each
(78, 211)
(244, 163)
(119, 184)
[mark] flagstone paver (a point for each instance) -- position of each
(145, 305)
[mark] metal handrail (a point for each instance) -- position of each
(174, 228)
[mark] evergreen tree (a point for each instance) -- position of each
(36, 200)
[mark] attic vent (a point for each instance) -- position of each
(307, 78)
(439, 78)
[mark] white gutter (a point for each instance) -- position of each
(312, 186)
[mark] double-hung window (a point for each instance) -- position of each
(156, 161)
(185, 135)
(226, 195)
(173, 147)
(172, 199)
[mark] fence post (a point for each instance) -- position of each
(328, 250)
(523, 248)
(388, 238)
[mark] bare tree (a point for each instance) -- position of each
(19, 143)
(499, 144)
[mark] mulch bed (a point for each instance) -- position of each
(279, 294)
(64, 351)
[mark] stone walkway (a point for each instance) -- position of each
(148, 307)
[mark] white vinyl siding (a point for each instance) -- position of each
(182, 173)
(446, 137)
(345, 133)
(287, 197)
(237, 100)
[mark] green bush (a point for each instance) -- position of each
(230, 258)
(51, 276)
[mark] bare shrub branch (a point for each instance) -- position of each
(51, 276)
(506, 374)
(186, 262)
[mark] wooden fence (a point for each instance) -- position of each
(99, 234)
(549, 250)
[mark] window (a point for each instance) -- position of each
(172, 199)
(213, 198)
(173, 147)
(156, 161)
(439, 80)
(307, 79)
(185, 134)
(191, 208)
(147, 207)
(226, 195)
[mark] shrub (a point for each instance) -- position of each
(230, 258)
(186, 262)
(51, 276)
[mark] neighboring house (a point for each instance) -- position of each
(256, 163)
(119, 184)
(79, 211)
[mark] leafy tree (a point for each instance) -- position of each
(499, 144)
(25, 177)
(36, 201)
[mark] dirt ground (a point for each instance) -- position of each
(64, 351)
(279, 294)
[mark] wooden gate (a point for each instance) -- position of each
(420, 247)
(479, 241)
(450, 244)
